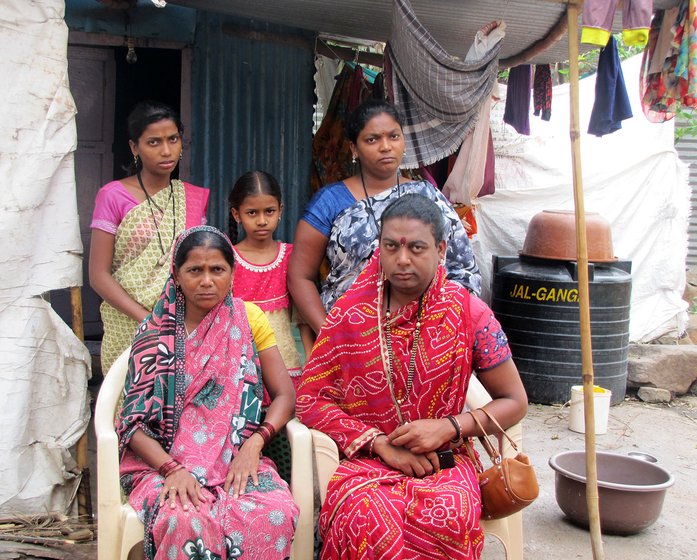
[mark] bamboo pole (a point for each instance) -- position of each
(84, 500)
(583, 293)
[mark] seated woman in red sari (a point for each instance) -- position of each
(189, 429)
(387, 380)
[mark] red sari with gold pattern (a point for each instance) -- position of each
(371, 509)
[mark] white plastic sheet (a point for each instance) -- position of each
(632, 177)
(45, 407)
(43, 367)
(40, 231)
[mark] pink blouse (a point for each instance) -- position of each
(114, 201)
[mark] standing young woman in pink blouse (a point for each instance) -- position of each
(135, 223)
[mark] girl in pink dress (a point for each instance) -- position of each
(261, 261)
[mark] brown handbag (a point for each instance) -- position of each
(510, 484)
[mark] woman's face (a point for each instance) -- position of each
(204, 278)
(159, 147)
(409, 256)
(380, 146)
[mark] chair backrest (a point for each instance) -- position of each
(110, 391)
(108, 488)
(477, 397)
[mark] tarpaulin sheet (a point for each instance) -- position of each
(43, 367)
(40, 231)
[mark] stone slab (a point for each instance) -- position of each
(670, 367)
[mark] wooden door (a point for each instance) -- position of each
(92, 81)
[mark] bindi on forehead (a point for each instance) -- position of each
(403, 241)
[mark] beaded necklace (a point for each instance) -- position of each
(414, 349)
(151, 202)
(369, 202)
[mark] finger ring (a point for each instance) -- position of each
(172, 488)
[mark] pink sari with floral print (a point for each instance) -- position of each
(200, 397)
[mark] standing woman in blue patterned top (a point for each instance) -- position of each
(341, 221)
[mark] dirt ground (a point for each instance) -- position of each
(668, 432)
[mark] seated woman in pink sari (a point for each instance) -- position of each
(189, 429)
(387, 380)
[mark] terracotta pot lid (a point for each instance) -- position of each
(552, 235)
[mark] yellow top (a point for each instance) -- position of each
(262, 332)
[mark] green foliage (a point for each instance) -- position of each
(685, 123)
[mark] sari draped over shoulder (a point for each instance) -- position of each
(142, 253)
(354, 238)
(346, 394)
(199, 397)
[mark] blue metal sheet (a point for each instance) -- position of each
(175, 23)
(252, 108)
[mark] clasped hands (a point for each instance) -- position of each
(411, 448)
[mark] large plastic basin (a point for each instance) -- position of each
(630, 490)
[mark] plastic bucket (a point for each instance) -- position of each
(601, 405)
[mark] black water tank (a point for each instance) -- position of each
(536, 302)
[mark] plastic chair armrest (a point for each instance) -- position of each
(301, 487)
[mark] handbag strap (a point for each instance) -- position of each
(484, 439)
(491, 417)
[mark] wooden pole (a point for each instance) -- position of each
(583, 294)
(84, 496)
(76, 306)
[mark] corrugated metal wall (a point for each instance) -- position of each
(687, 150)
(252, 106)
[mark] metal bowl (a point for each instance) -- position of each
(551, 234)
(630, 490)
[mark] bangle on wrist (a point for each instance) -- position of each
(270, 428)
(372, 443)
(266, 431)
(458, 429)
(168, 467)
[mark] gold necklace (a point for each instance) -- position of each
(412, 357)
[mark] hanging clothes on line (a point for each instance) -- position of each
(598, 16)
(517, 109)
(668, 77)
(611, 104)
(439, 95)
(467, 175)
(331, 154)
(542, 91)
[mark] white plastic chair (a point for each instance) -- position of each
(120, 534)
(508, 530)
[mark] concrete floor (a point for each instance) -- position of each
(668, 432)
